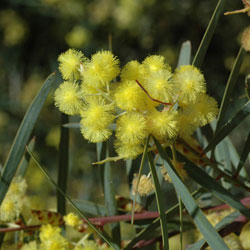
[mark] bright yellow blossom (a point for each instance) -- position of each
(96, 117)
(69, 64)
(128, 150)
(72, 220)
(133, 70)
(203, 111)
(68, 98)
(155, 63)
(163, 125)
(159, 86)
(102, 68)
(189, 83)
(129, 96)
(131, 128)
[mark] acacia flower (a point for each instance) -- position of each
(189, 83)
(69, 64)
(131, 128)
(68, 98)
(203, 111)
(72, 220)
(145, 185)
(128, 150)
(163, 125)
(133, 70)
(155, 63)
(96, 118)
(159, 86)
(129, 96)
(102, 68)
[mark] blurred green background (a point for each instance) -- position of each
(34, 32)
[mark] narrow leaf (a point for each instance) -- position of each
(206, 181)
(185, 54)
(160, 203)
(229, 126)
(18, 147)
(244, 155)
(203, 47)
(149, 230)
(72, 125)
(110, 201)
(229, 89)
(26, 159)
(224, 222)
(210, 234)
(91, 207)
(62, 178)
(103, 235)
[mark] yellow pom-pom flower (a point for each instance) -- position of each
(129, 96)
(95, 120)
(155, 63)
(128, 150)
(189, 83)
(68, 98)
(102, 68)
(51, 238)
(133, 70)
(163, 125)
(203, 111)
(131, 128)
(32, 245)
(72, 220)
(69, 64)
(145, 185)
(159, 86)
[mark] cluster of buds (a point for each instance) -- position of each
(135, 101)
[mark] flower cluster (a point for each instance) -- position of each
(14, 200)
(136, 101)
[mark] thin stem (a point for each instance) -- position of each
(139, 177)
(237, 11)
(153, 99)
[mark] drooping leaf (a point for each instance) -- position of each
(23, 135)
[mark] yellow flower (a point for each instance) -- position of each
(133, 70)
(77, 37)
(51, 239)
(128, 150)
(131, 128)
(96, 118)
(155, 63)
(72, 220)
(102, 68)
(158, 85)
(244, 236)
(203, 111)
(145, 185)
(68, 98)
(129, 96)
(69, 64)
(163, 125)
(189, 83)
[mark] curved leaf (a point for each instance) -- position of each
(18, 147)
